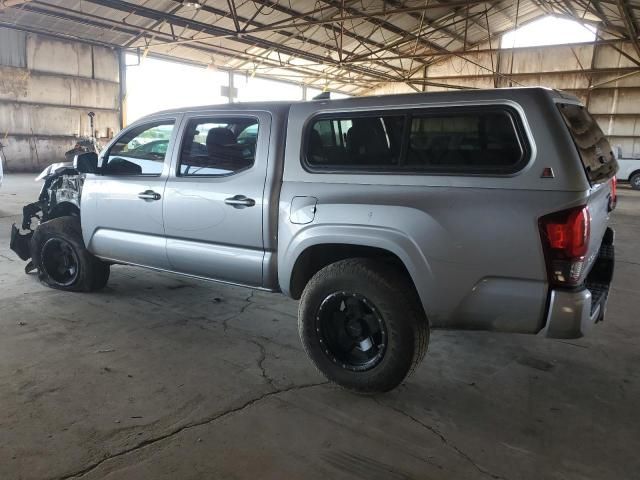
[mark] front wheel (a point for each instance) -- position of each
(62, 260)
(362, 325)
(635, 181)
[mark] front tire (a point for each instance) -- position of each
(362, 325)
(62, 260)
(635, 181)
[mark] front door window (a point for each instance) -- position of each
(140, 151)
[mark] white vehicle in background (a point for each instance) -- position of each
(629, 170)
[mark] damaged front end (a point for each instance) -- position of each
(59, 196)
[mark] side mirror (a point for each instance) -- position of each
(86, 162)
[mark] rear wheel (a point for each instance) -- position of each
(635, 181)
(62, 260)
(362, 325)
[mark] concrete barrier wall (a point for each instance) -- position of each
(47, 88)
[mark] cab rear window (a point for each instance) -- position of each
(597, 157)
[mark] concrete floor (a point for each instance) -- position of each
(160, 377)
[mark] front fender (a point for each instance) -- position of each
(389, 239)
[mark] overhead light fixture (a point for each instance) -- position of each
(192, 3)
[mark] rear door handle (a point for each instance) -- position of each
(149, 195)
(240, 201)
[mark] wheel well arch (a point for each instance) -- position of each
(64, 209)
(316, 257)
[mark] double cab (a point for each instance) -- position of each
(386, 216)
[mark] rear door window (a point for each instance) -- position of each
(596, 154)
(218, 146)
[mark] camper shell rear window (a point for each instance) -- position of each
(597, 157)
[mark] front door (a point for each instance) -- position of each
(213, 202)
(122, 207)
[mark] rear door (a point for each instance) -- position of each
(213, 202)
(122, 207)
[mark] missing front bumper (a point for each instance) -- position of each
(21, 242)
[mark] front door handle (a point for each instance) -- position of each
(240, 201)
(149, 195)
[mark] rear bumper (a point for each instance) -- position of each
(573, 312)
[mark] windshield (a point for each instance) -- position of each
(595, 152)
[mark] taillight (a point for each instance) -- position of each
(565, 237)
(613, 199)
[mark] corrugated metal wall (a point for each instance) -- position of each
(607, 80)
(13, 45)
(47, 88)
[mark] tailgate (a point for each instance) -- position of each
(599, 205)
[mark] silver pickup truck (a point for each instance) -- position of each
(387, 216)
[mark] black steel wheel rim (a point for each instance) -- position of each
(351, 331)
(60, 261)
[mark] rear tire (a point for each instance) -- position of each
(362, 325)
(62, 260)
(634, 181)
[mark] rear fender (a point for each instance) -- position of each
(383, 238)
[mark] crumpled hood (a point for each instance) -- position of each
(53, 168)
